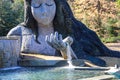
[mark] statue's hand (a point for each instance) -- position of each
(57, 42)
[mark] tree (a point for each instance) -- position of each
(11, 15)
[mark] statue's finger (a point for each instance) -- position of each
(56, 36)
(61, 43)
(60, 37)
(51, 38)
(46, 38)
(52, 41)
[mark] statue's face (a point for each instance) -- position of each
(43, 11)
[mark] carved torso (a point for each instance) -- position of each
(28, 43)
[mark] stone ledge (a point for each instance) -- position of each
(37, 62)
(55, 60)
(46, 63)
(43, 60)
(10, 38)
(92, 68)
(111, 61)
(39, 56)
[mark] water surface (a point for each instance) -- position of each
(45, 73)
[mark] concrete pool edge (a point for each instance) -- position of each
(42, 60)
(48, 63)
(102, 77)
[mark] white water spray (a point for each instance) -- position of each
(70, 53)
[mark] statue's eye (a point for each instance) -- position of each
(37, 5)
(49, 4)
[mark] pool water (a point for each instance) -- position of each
(45, 73)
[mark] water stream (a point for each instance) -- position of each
(70, 53)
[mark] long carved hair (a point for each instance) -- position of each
(62, 21)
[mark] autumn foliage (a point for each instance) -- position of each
(102, 16)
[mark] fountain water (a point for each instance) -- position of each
(44, 73)
(70, 53)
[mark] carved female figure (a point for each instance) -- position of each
(47, 18)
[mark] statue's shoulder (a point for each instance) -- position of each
(19, 30)
(15, 31)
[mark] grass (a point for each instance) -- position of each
(111, 39)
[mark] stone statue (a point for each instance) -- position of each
(50, 24)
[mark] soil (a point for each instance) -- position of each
(113, 46)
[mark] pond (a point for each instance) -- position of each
(45, 73)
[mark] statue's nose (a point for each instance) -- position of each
(43, 10)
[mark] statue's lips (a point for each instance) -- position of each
(44, 20)
(44, 17)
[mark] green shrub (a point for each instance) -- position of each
(118, 2)
(11, 15)
(110, 39)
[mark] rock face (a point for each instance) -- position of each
(9, 51)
